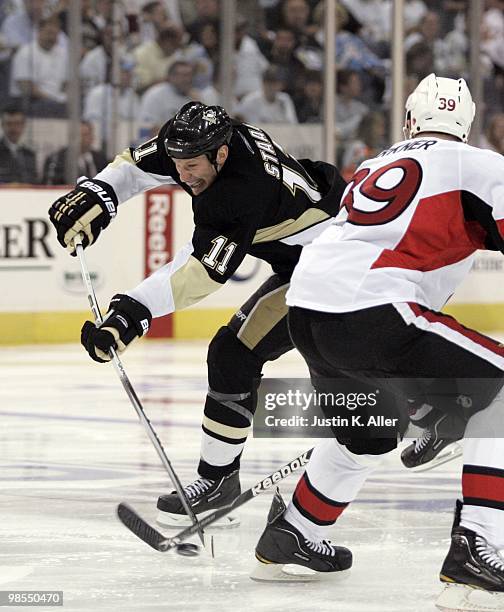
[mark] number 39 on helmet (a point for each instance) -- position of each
(439, 104)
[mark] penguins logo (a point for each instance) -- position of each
(209, 116)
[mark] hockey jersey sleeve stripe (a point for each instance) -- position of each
(127, 180)
(176, 285)
(286, 228)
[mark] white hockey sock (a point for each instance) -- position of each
(332, 480)
(483, 476)
(219, 453)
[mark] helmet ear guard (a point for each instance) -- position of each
(439, 104)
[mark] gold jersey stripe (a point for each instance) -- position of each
(286, 228)
(125, 156)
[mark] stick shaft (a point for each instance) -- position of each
(130, 391)
(257, 489)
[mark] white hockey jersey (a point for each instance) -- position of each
(409, 224)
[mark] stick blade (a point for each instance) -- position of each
(135, 523)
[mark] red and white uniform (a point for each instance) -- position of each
(410, 222)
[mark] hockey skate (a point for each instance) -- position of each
(204, 496)
(284, 554)
(431, 449)
(473, 573)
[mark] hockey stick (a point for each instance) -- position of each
(158, 541)
(130, 392)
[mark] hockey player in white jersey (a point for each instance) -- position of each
(365, 300)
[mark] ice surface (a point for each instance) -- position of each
(72, 449)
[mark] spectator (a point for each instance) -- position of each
(376, 18)
(449, 52)
(270, 104)
(153, 19)
(369, 141)
(206, 10)
(282, 54)
(494, 135)
(17, 162)
(250, 63)
(428, 30)
(161, 101)
(40, 72)
(295, 15)
(96, 64)
(420, 61)
(492, 32)
(211, 95)
(351, 51)
(414, 10)
(103, 13)
(98, 102)
(309, 104)
(20, 27)
(91, 31)
(207, 35)
(349, 109)
(153, 58)
(89, 161)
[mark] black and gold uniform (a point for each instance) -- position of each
(264, 203)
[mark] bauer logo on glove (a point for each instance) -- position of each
(126, 320)
(87, 210)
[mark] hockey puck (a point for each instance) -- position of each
(188, 550)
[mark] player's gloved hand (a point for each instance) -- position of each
(87, 209)
(125, 321)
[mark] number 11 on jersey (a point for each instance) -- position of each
(211, 258)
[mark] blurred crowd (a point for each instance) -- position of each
(169, 54)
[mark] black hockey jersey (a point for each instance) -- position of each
(263, 202)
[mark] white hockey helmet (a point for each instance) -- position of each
(442, 105)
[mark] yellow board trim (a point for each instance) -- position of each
(201, 323)
(481, 317)
(41, 327)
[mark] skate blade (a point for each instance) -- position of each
(451, 452)
(278, 572)
(176, 521)
(463, 598)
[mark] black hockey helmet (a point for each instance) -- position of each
(197, 129)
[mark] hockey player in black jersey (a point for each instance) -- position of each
(248, 197)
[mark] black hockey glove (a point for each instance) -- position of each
(125, 321)
(87, 209)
